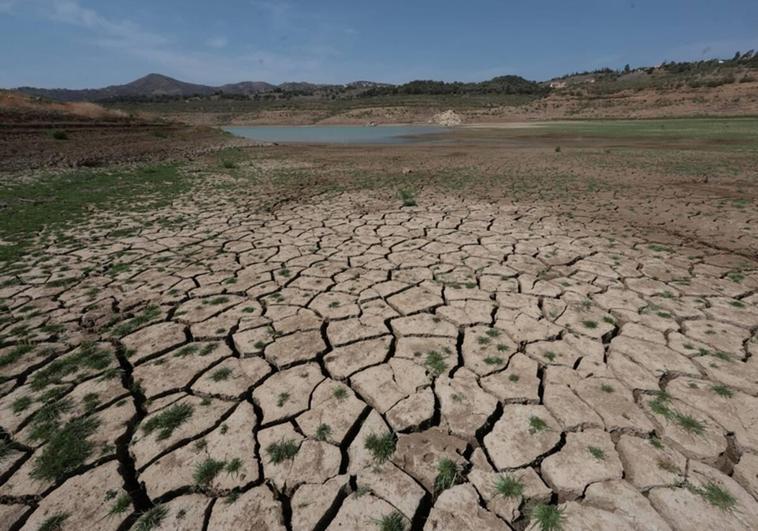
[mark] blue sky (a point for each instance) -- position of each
(89, 43)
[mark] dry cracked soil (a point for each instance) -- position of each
(345, 362)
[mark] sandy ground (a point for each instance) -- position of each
(737, 99)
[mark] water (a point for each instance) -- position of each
(336, 134)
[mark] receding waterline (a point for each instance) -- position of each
(336, 134)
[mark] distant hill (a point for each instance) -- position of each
(160, 87)
(741, 68)
(152, 85)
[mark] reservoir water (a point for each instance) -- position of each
(336, 134)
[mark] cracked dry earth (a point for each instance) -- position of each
(349, 364)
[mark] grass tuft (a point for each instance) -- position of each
(221, 374)
(206, 471)
(435, 363)
(392, 522)
(407, 197)
(537, 425)
(548, 517)
(323, 432)
(282, 451)
(54, 523)
(509, 487)
(596, 452)
(381, 446)
(168, 420)
(151, 519)
(717, 496)
(447, 475)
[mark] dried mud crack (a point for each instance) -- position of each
(346, 363)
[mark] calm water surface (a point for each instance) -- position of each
(337, 134)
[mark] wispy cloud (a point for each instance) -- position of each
(7, 5)
(217, 42)
(214, 64)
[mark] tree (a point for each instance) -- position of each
(627, 69)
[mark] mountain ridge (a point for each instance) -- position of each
(153, 85)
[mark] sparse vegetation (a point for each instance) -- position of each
(151, 518)
(121, 505)
(66, 450)
(435, 363)
(448, 475)
(221, 374)
(548, 517)
(722, 390)
(392, 522)
(207, 470)
(537, 425)
(323, 432)
(282, 399)
(381, 446)
(167, 421)
(509, 487)
(407, 197)
(54, 523)
(596, 452)
(282, 451)
(717, 496)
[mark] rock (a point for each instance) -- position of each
(447, 118)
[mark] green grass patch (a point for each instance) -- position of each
(66, 450)
(53, 203)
